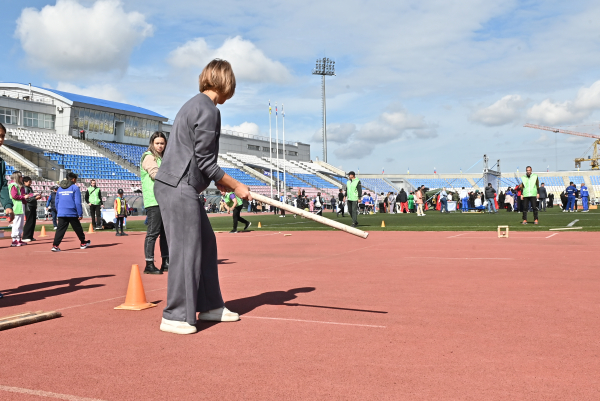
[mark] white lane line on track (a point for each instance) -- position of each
(314, 321)
(572, 223)
(458, 235)
(552, 235)
(231, 275)
(440, 257)
(47, 394)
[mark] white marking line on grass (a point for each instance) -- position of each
(552, 235)
(572, 223)
(48, 394)
(315, 321)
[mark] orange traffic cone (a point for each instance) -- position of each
(259, 225)
(382, 223)
(136, 296)
(91, 229)
(43, 232)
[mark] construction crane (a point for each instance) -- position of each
(593, 159)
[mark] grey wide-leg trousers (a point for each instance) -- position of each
(193, 283)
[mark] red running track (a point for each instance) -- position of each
(468, 317)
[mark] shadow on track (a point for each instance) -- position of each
(29, 292)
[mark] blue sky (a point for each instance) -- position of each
(419, 84)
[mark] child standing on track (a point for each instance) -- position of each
(236, 204)
(19, 199)
(69, 211)
(120, 212)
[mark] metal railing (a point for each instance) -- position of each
(257, 137)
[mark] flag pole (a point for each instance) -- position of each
(277, 148)
(283, 133)
(270, 150)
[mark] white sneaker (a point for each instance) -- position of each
(26, 240)
(219, 315)
(56, 228)
(176, 327)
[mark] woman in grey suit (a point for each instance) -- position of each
(188, 166)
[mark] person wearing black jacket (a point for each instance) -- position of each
(341, 203)
(542, 199)
(30, 211)
(402, 200)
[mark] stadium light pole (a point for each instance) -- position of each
(324, 67)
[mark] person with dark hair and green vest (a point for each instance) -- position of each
(530, 194)
(93, 197)
(235, 203)
(353, 194)
(150, 163)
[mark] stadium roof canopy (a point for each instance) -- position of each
(71, 98)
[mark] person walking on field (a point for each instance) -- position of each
(30, 211)
(19, 201)
(444, 201)
(490, 195)
(51, 205)
(236, 204)
(150, 163)
(464, 197)
(121, 207)
(189, 165)
(69, 212)
(419, 200)
(402, 200)
(93, 197)
(543, 195)
(571, 193)
(353, 194)
(584, 197)
(529, 194)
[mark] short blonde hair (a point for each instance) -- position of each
(218, 76)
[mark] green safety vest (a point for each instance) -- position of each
(529, 187)
(93, 195)
(148, 183)
(17, 204)
(229, 201)
(352, 188)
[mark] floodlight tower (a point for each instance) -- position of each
(324, 67)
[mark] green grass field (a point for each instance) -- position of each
(434, 221)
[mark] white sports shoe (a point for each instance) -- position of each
(219, 315)
(174, 326)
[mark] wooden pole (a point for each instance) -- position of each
(310, 216)
(27, 318)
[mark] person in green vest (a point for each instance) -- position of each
(411, 202)
(19, 199)
(151, 161)
(353, 194)
(530, 194)
(236, 204)
(93, 197)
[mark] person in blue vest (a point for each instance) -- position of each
(583, 191)
(571, 192)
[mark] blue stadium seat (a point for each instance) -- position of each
(88, 167)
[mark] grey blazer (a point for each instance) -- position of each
(193, 146)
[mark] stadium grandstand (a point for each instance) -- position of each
(52, 132)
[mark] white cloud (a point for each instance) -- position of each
(106, 91)
(553, 113)
(249, 63)
(504, 111)
(388, 127)
(245, 127)
(71, 40)
(337, 133)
